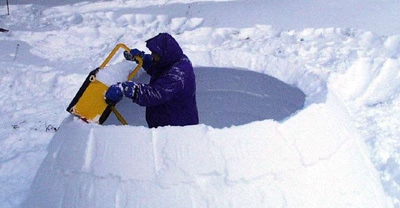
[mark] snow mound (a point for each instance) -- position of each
(305, 161)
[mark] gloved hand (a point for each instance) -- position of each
(114, 94)
(130, 89)
(131, 54)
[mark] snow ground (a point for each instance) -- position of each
(370, 15)
(50, 50)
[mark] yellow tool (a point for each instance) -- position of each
(89, 104)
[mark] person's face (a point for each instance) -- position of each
(155, 57)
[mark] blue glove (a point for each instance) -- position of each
(130, 90)
(114, 94)
(147, 60)
(131, 54)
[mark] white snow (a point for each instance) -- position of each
(274, 165)
(115, 73)
(344, 55)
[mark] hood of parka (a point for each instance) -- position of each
(166, 47)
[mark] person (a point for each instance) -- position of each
(170, 97)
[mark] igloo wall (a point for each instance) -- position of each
(313, 158)
(306, 161)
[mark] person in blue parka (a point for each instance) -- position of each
(170, 97)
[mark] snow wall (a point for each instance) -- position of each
(307, 160)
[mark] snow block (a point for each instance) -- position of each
(305, 161)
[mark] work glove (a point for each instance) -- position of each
(130, 90)
(147, 60)
(132, 53)
(114, 94)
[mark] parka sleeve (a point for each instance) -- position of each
(162, 90)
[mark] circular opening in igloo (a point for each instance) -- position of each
(227, 97)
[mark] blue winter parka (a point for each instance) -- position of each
(170, 97)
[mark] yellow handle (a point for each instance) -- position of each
(135, 71)
(130, 77)
(113, 53)
(138, 58)
(119, 116)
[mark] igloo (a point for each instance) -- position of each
(257, 146)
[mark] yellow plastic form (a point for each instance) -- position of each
(90, 104)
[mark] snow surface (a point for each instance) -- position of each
(261, 164)
(336, 58)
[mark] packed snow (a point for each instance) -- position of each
(261, 164)
(342, 149)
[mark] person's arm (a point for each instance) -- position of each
(161, 91)
(148, 64)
